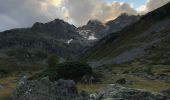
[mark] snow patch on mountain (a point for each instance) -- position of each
(69, 41)
(92, 37)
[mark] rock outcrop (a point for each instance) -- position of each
(166, 93)
(115, 92)
(45, 90)
(66, 90)
(121, 22)
(161, 77)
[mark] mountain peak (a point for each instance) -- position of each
(37, 25)
(56, 21)
(94, 22)
(123, 15)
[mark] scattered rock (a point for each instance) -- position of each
(124, 81)
(88, 79)
(166, 93)
(115, 92)
(162, 77)
(121, 81)
(45, 90)
(93, 96)
(1, 86)
(84, 95)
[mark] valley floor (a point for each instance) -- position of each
(111, 74)
(124, 75)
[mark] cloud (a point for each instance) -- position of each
(151, 5)
(23, 13)
(27, 12)
(80, 11)
(7, 22)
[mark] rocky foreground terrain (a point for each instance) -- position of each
(66, 90)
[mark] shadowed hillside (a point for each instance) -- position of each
(146, 39)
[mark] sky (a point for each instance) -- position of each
(135, 3)
(24, 13)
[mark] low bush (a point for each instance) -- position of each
(52, 60)
(68, 70)
(3, 71)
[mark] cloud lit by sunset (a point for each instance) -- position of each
(17, 13)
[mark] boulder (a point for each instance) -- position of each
(115, 92)
(166, 93)
(44, 89)
(124, 81)
(2, 86)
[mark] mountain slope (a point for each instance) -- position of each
(135, 41)
(121, 22)
(98, 30)
(55, 36)
(58, 36)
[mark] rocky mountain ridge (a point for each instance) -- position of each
(99, 30)
(146, 41)
(57, 36)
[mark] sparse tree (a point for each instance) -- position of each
(52, 60)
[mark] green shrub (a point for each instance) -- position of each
(148, 71)
(73, 70)
(52, 60)
(68, 70)
(3, 71)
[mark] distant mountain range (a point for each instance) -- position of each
(60, 37)
(145, 41)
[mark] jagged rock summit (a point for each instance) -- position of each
(99, 30)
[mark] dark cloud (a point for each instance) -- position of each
(23, 13)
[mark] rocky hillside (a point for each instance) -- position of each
(145, 41)
(95, 30)
(121, 22)
(56, 36)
